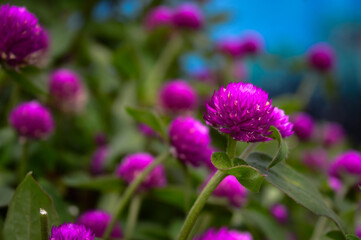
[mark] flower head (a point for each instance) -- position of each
(99, 157)
(335, 184)
(71, 231)
(23, 40)
(230, 46)
(224, 234)
(134, 164)
(67, 91)
(231, 189)
(159, 17)
(32, 120)
(303, 125)
(188, 16)
(321, 57)
(190, 139)
(241, 110)
(177, 96)
(332, 133)
(97, 221)
(281, 121)
(252, 43)
(348, 162)
(316, 159)
(280, 213)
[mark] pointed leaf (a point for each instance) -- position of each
(221, 160)
(22, 220)
(281, 153)
(335, 235)
(295, 185)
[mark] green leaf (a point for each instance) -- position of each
(102, 183)
(352, 237)
(246, 175)
(281, 153)
(295, 185)
(22, 220)
(6, 195)
(336, 235)
(149, 118)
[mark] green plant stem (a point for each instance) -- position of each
(130, 190)
(247, 151)
(133, 216)
(44, 224)
(231, 147)
(319, 228)
(199, 204)
(23, 165)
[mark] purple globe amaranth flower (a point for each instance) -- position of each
(335, 184)
(71, 231)
(134, 164)
(241, 110)
(321, 57)
(281, 121)
(316, 159)
(32, 120)
(97, 164)
(177, 96)
(240, 71)
(231, 189)
(252, 43)
(224, 234)
(346, 163)
(159, 17)
(280, 213)
(97, 221)
(190, 139)
(231, 46)
(332, 133)
(188, 16)
(67, 91)
(23, 40)
(303, 125)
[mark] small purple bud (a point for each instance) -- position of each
(280, 213)
(332, 133)
(190, 138)
(178, 96)
(97, 164)
(71, 231)
(335, 184)
(97, 221)
(303, 125)
(159, 17)
(252, 43)
(321, 57)
(231, 46)
(32, 120)
(23, 40)
(346, 163)
(146, 130)
(188, 16)
(134, 164)
(231, 189)
(67, 91)
(224, 234)
(316, 159)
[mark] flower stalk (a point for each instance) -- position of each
(44, 224)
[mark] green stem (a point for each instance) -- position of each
(132, 216)
(128, 193)
(247, 151)
(199, 204)
(319, 228)
(23, 165)
(44, 224)
(231, 147)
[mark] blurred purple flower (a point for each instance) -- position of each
(321, 57)
(97, 221)
(335, 184)
(231, 189)
(134, 164)
(252, 43)
(190, 139)
(97, 164)
(23, 40)
(280, 213)
(316, 159)
(71, 231)
(358, 231)
(332, 134)
(188, 16)
(159, 17)
(231, 46)
(224, 234)
(32, 120)
(281, 121)
(303, 125)
(146, 130)
(346, 163)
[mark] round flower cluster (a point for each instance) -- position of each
(346, 163)
(23, 40)
(303, 125)
(134, 164)
(71, 231)
(321, 57)
(280, 213)
(231, 46)
(316, 159)
(332, 133)
(224, 234)
(32, 120)
(231, 189)
(97, 221)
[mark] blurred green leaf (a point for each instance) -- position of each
(288, 103)
(336, 235)
(6, 194)
(281, 153)
(352, 237)
(295, 185)
(22, 220)
(101, 183)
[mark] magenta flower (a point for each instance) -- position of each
(231, 189)
(159, 17)
(332, 133)
(188, 16)
(71, 231)
(190, 139)
(280, 213)
(32, 120)
(281, 121)
(252, 43)
(316, 159)
(241, 110)
(224, 234)
(67, 91)
(146, 130)
(97, 221)
(177, 96)
(231, 46)
(346, 163)
(99, 157)
(23, 40)
(335, 184)
(134, 164)
(321, 57)
(303, 125)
